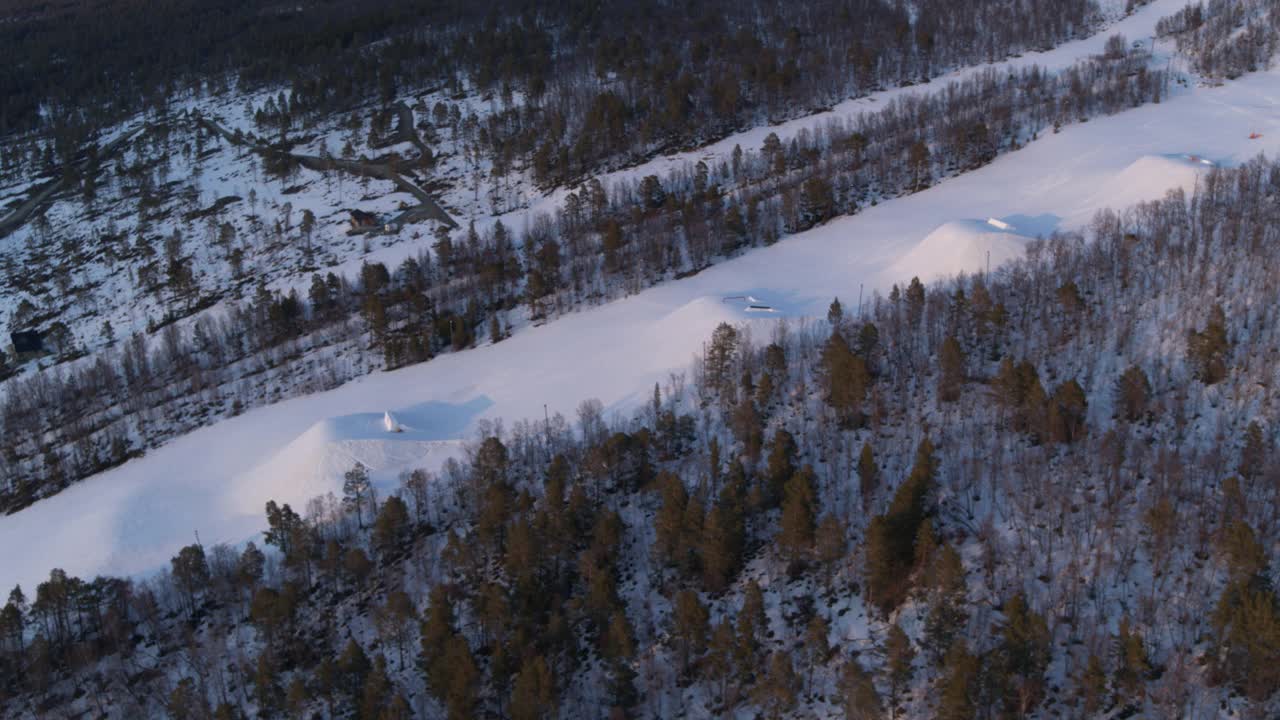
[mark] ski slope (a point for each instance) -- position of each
(215, 481)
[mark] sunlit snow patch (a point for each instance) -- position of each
(1150, 177)
(960, 245)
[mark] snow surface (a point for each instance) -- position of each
(216, 480)
(961, 245)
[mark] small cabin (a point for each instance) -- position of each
(27, 342)
(362, 221)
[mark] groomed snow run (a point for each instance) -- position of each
(215, 481)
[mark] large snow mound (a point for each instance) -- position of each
(960, 245)
(315, 462)
(1150, 177)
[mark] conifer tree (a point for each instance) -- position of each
(950, 370)
(779, 468)
(835, 314)
(1131, 665)
(1207, 349)
(899, 662)
(847, 379)
(780, 687)
(891, 538)
(356, 491)
(947, 603)
(868, 475)
(797, 526)
(534, 694)
(1025, 648)
(753, 625)
(858, 697)
(1133, 394)
(690, 624)
(1093, 685)
(960, 677)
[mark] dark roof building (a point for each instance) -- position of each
(27, 341)
(362, 219)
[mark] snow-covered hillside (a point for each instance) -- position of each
(134, 517)
(954, 400)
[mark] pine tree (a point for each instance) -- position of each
(795, 535)
(1025, 648)
(1253, 455)
(1207, 349)
(1132, 666)
(722, 659)
(534, 694)
(266, 692)
(899, 662)
(817, 645)
(1246, 558)
(847, 380)
(1093, 686)
(779, 468)
(960, 675)
(950, 370)
(780, 687)
(947, 603)
(1133, 394)
(858, 696)
(1246, 625)
(724, 532)
(830, 544)
(690, 624)
(461, 680)
(377, 691)
(891, 538)
(1067, 412)
(753, 625)
(835, 314)
(390, 524)
(186, 702)
(915, 301)
(717, 552)
(670, 545)
(868, 475)
(191, 573)
(395, 621)
(356, 490)
(296, 697)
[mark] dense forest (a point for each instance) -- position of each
(1043, 492)
(592, 85)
